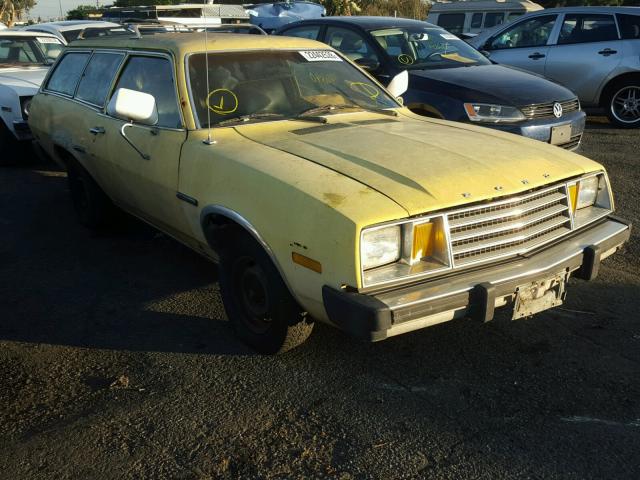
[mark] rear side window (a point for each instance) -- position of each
(492, 19)
(454, 22)
(587, 28)
(629, 26)
(154, 75)
(476, 20)
(67, 73)
(97, 77)
(310, 31)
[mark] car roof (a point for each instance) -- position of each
(26, 33)
(183, 43)
(367, 23)
(65, 25)
(630, 10)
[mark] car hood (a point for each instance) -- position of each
(490, 83)
(423, 164)
(24, 80)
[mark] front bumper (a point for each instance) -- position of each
(475, 293)
(540, 129)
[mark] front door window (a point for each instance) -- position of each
(534, 32)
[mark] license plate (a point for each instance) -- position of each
(560, 134)
(539, 296)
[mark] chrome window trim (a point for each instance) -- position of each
(145, 53)
(562, 185)
(127, 53)
(200, 52)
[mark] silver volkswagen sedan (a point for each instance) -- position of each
(593, 51)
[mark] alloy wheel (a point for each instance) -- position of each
(625, 104)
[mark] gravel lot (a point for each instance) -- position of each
(116, 361)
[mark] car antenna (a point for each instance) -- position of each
(209, 140)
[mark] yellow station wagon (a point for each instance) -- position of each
(321, 197)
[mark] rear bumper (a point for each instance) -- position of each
(474, 293)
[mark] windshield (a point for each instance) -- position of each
(25, 51)
(279, 84)
(425, 48)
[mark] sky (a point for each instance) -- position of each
(51, 8)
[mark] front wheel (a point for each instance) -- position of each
(624, 105)
(93, 208)
(259, 305)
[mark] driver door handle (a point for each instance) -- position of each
(607, 51)
(537, 55)
(97, 130)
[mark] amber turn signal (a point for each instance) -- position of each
(306, 262)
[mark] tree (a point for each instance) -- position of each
(81, 12)
(12, 10)
(415, 9)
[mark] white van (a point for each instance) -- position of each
(473, 16)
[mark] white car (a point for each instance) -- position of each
(67, 31)
(25, 58)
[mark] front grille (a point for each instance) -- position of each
(574, 142)
(544, 110)
(508, 227)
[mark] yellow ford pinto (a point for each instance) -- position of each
(321, 197)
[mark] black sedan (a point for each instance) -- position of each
(449, 79)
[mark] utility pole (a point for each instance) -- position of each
(61, 14)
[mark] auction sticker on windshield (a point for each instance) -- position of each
(448, 36)
(320, 56)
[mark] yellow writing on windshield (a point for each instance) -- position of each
(365, 89)
(405, 59)
(222, 101)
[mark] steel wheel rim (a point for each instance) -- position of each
(625, 104)
(250, 285)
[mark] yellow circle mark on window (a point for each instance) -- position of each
(365, 89)
(405, 59)
(222, 101)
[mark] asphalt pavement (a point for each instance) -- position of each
(116, 361)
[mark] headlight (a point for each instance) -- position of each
(408, 249)
(25, 105)
(380, 246)
(590, 199)
(587, 192)
(483, 112)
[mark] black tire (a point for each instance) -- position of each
(93, 208)
(623, 103)
(260, 307)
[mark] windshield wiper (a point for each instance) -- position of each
(344, 106)
(249, 117)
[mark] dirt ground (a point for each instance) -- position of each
(116, 361)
